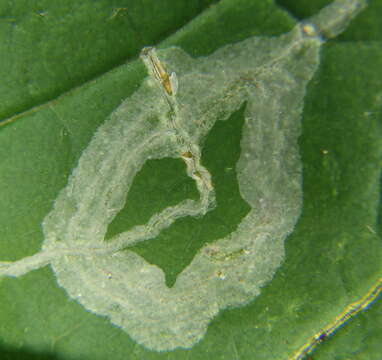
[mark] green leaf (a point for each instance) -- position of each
(50, 47)
(63, 73)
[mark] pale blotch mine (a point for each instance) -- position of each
(187, 96)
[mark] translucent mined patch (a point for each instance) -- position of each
(169, 116)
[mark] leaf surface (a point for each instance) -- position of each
(62, 76)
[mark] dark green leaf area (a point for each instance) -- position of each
(49, 47)
(159, 185)
(343, 132)
(333, 257)
(229, 22)
(35, 159)
(24, 353)
(301, 12)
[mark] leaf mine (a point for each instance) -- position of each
(188, 96)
